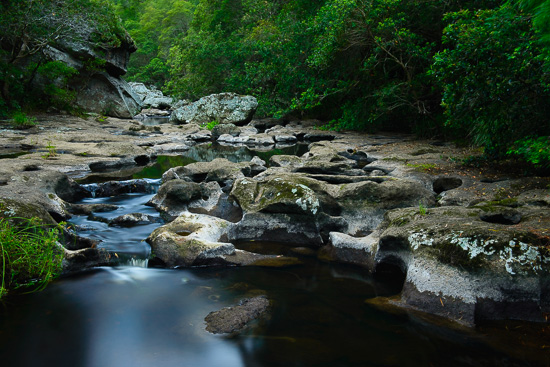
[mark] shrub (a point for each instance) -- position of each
(22, 121)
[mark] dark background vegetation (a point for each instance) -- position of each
(475, 72)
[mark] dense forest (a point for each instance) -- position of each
(473, 71)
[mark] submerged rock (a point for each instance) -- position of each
(230, 320)
(133, 219)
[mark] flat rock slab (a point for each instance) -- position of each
(230, 320)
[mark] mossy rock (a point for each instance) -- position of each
(276, 195)
(16, 212)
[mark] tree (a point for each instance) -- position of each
(495, 90)
(155, 26)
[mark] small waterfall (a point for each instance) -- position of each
(91, 188)
(137, 263)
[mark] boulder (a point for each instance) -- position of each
(109, 96)
(282, 194)
(150, 97)
(176, 196)
(190, 240)
(466, 269)
(226, 108)
(103, 91)
(87, 258)
(113, 188)
(351, 250)
(364, 203)
(49, 189)
(220, 170)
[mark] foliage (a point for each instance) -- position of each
(30, 255)
(211, 125)
(422, 209)
(535, 150)
(494, 86)
(155, 26)
(360, 63)
(28, 28)
(52, 151)
(22, 121)
(541, 16)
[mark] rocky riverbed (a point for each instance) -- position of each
(471, 244)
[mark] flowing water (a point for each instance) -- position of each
(321, 315)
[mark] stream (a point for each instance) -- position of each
(138, 316)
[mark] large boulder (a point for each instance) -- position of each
(364, 203)
(226, 108)
(151, 97)
(98, 89)
(195, 240)
(460, 266)
(109, 96)
(191, 239)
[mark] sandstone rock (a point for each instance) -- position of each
(364, 203)
(278, 195)
(460, 267)
(151, 97)
(83, 259)
(191, 239)
(446, 183)
(290, 161)
(220, 170)
(101, 92)
(108, 95)
(224, 108)
(48, 189)
(288, 228)
(352, 250)
(174, 196)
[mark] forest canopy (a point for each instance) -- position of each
(474, 71)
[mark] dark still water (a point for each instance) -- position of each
(154, 317)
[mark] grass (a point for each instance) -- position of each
(422, 209)
(30, 256)
(52, 151)
(20, 120)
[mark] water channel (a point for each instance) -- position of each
(137, 316)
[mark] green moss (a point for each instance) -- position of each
(422, 167)
(453, 254)
(492, 206)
